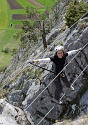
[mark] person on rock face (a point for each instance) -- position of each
(59, 61)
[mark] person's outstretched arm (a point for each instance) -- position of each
(73, 51)
(40, 60)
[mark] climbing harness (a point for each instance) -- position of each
(62, 74)
(55, 78)
(23, 66)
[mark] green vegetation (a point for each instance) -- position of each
(75, 12)
(8, 44)
(6, 35)
(4, 14)
(18, 11)
(7, 41)
(25, 3)
(2, 94)
(47, 3)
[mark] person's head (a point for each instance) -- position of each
(59, 51)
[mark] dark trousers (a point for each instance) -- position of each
(58, 85)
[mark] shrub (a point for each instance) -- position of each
(2, 69)
(75, 12)
(14, 51)
(6, 50)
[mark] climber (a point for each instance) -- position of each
(59, 61)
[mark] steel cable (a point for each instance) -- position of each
(55, 77)
(23, 66)
(54, 106)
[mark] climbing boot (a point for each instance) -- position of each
(72, 88)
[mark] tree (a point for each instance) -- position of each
(75, 2)
(56, 14)
(37, 27)
(29, 30)
(44, 35)
(75, 12)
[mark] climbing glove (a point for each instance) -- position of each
(79, 49)
(32, 61)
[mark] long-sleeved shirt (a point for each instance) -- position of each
(48, 59)
(59, 62)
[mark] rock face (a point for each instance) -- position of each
(45, 102)
(25, 84)
(79, 121)
(11, 115)
(84, 102)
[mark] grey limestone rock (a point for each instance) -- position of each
(12, 115)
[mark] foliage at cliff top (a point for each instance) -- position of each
(75, 12)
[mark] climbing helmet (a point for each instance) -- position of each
(59, 48)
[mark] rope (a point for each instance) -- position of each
(55, 77)
(41, 67)
(53, 106)
(79, 75)
(46, 115)
(49, 45)
(75, 81)
(60, 38)
(58, 74)
(23, 66)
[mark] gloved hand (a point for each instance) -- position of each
(79, 49)
(31, 61)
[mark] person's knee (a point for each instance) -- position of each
(67, 84)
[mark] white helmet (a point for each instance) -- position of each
(57, 48)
